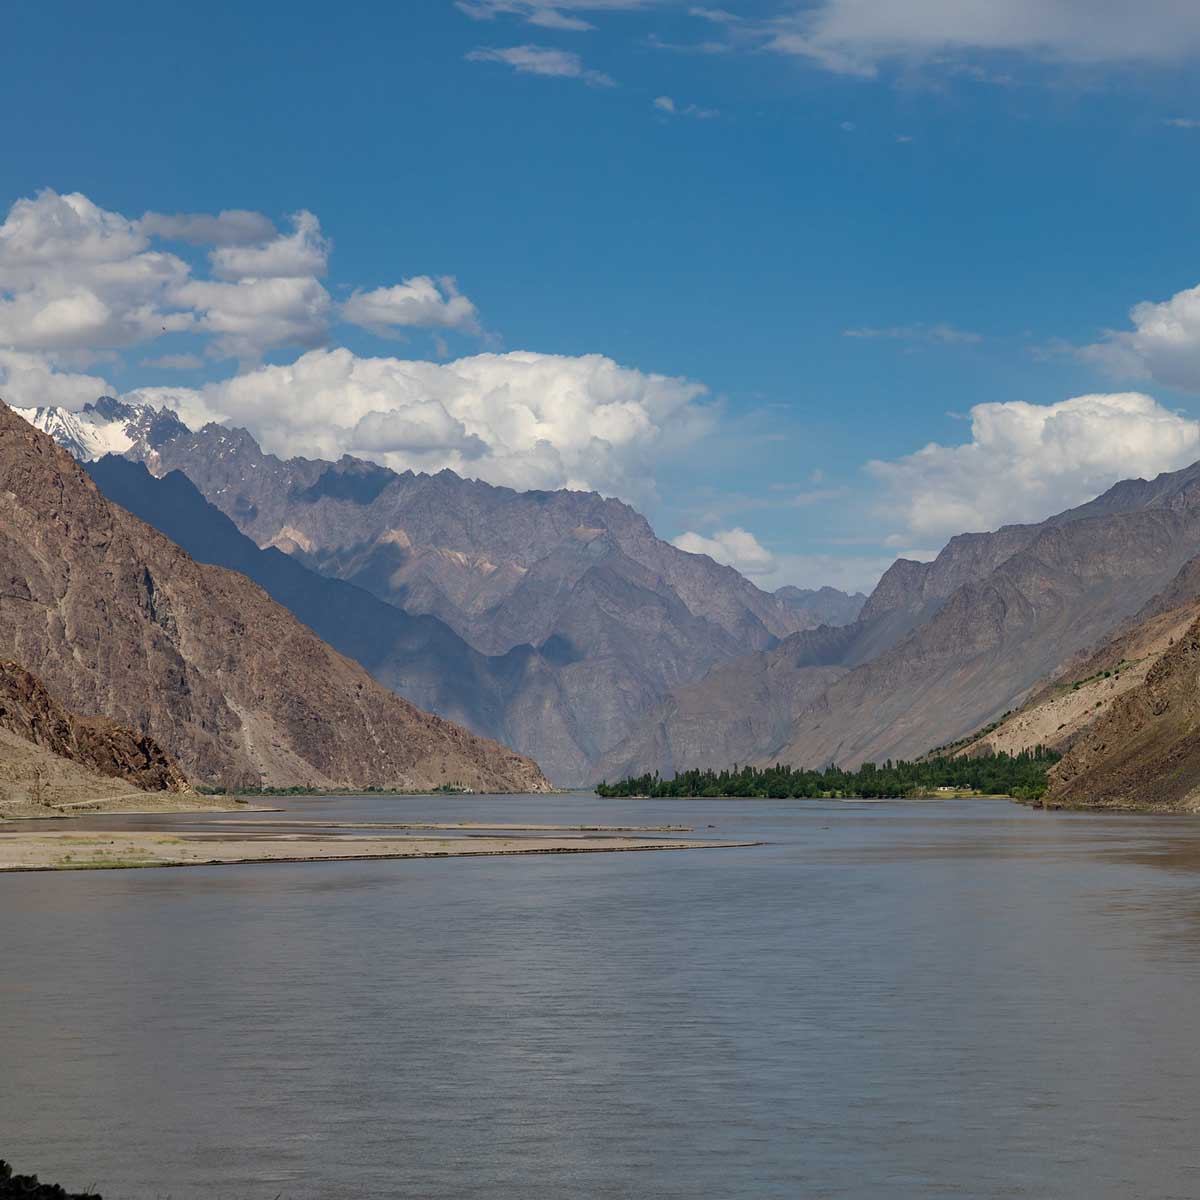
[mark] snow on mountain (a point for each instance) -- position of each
(105, 427)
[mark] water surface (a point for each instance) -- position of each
(964, 999)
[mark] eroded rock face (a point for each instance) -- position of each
(1144, 752)
(95, 743)
(120, 621)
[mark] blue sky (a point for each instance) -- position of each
(850, 223)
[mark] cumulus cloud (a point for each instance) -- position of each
(78, 282)
(31, 381)
(543, 60)
(302, 252)
(1164, 343)
(230, 227)
(735, 547)
(251, 316)
(1027, 461)
(75, 277)
(420, 301)
(520, 419)
(740, 549)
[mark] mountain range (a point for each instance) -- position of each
(941, 648)
(116, 620)
(551, 621)
(558, 623)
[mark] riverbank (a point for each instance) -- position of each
(129, 802)
(41, 850)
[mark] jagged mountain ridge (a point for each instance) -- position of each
(513, 698)
(119, 621)
(941, 648)
(586, 618)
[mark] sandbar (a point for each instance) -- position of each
(41, 850)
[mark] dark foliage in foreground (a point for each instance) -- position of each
(1022, 776)
(27, 1187)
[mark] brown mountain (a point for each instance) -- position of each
(120, 621)
(1144, 751)
(941, 648)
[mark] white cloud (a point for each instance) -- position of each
(75, 277)
(667, 104)
(548, 14)
(520, 419)
(30, 381)
(942, 333)
(420, 301)
(854, 36)
(303, 252)
(230, 227)
(543, 60)
(1027, 461)
(1164, 343)
(735, 547)
(1183, 122)
(251, 316)
(740, 549)
(848, 572)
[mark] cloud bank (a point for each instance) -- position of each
(1025, 462)
(521, 419)
(78, 283)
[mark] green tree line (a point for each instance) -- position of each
(1022, 776)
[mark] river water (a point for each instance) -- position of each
(961, 999)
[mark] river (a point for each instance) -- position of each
(889, 1000)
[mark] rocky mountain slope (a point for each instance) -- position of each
(1124, 712)
(523, 698)
(941, 648)
(1144, 751)
(97, 744)
(120, 621)
(552, 620)
(51, 757)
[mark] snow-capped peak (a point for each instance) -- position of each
(106, 426)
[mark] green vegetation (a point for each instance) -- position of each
(1022, 776)
(971, 737)
(1103, 674)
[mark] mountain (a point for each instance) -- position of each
(1144, 752)
(939, 649)
(1125, 712)
(1073, 698)
(828, 605)
(572, 619)
(120, 621)
(1065, 584)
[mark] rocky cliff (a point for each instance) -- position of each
(95, 743)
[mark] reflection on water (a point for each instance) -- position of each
(900, 1000)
